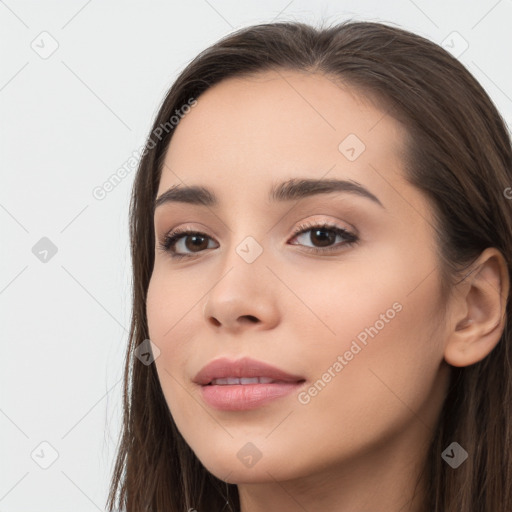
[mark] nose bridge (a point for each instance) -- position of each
(248, 235)
(244, 262)
(241, 290)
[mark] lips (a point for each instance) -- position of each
(224, 371)
(244, 384)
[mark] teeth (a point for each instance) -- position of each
(247, 380)
(243, 380)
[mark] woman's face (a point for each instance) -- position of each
(354, 315)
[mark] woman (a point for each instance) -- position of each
(322, 247)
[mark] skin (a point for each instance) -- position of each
(359, 444)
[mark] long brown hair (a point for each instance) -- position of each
(459, 154)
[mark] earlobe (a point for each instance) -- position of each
(480, 312)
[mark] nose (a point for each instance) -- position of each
(244, 297)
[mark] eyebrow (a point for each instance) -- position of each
(289, 190)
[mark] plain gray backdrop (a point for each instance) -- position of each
(80, 83)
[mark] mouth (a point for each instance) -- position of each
(244, 384)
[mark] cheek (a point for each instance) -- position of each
(375, 303)
(380, 368)
(171, 307)
(170, 303)
(375, 348)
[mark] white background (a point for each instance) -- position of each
(68, 122)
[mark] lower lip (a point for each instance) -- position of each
(241, 397)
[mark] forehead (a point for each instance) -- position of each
(286, 103)
(281, 112)
(246, 132)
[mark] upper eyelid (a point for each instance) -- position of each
(301, 226)
(312, 220)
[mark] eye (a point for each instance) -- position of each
(181, 239)
(178, 241)
(324, 235)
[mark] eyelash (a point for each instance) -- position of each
(350, 238)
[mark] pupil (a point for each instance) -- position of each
(326, 239)
(194, 245)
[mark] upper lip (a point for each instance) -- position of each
(245, 367)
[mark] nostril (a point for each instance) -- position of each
(243, 318)
(250, 318)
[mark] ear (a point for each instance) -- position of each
(478, 316)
